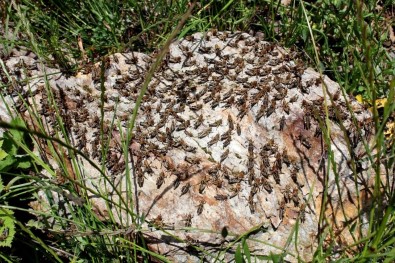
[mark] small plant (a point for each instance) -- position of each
(12, 155)
(7, 226)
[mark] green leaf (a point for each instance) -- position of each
(276, 258)
(35, 224)
(24, 162)
(1, 184)
(7, 163)
(304, 34)
(17, 135)
(12, 135)
(3, 153)
(238, 255)
(246, 249)
(7, 227)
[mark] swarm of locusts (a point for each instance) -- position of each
(231, 128)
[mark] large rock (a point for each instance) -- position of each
(229, 135)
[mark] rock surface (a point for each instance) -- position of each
(229, 135)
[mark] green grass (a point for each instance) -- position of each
(341, 39)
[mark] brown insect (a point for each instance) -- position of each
(176, 183)
(223, 36)
(235, 190)
(307, 121)
(317, 132)
(217, 182)
(253, 71)
(302, 212)
(174, 59)
(285, 157)
(158, 222)
(270, 146)
(271, 108)
(183, 48)
(238, 177)
(305, 88)
(265, 71)
(190, 134)
(241, 80)
(286, 107)
(227, 95)
(190, 38)
(224, 155)
(148, 167)
(294, 175)
(304, 141)
(261, 112)
(282, 123)
(274, 62)
(220, 197)
(281, 209)
(293, 99)
(239, 61)
(266, 185)
(217, 78)
(202, 185)
(287, 193)
(295, 196)
(204, 50)
(230, 122)
(310, 82)
(187, 148)
(242, 111)
(213, 171)
(183, 125)
(199, 121)
(200, 207)
(213, 140)
(217, 50)
(190, 241)
(250, 147)
(336, 95)
(188, 220)
(162, 137)
(276, 174)
(192, 71)
(196, 107)
(238, 129)
(255, 185)
(279, 70)
(251, 203)
(4, 234)
(244, 50)
(232, 44)
(216, 101)
(226, 135)
(204, 133)
(263, 167)
(226, 142)
(281, 94)
(160, 180)
(264, 157)
(192, 159)
(279, 160)
(216, 123)
(185, 189)
(140, 177)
